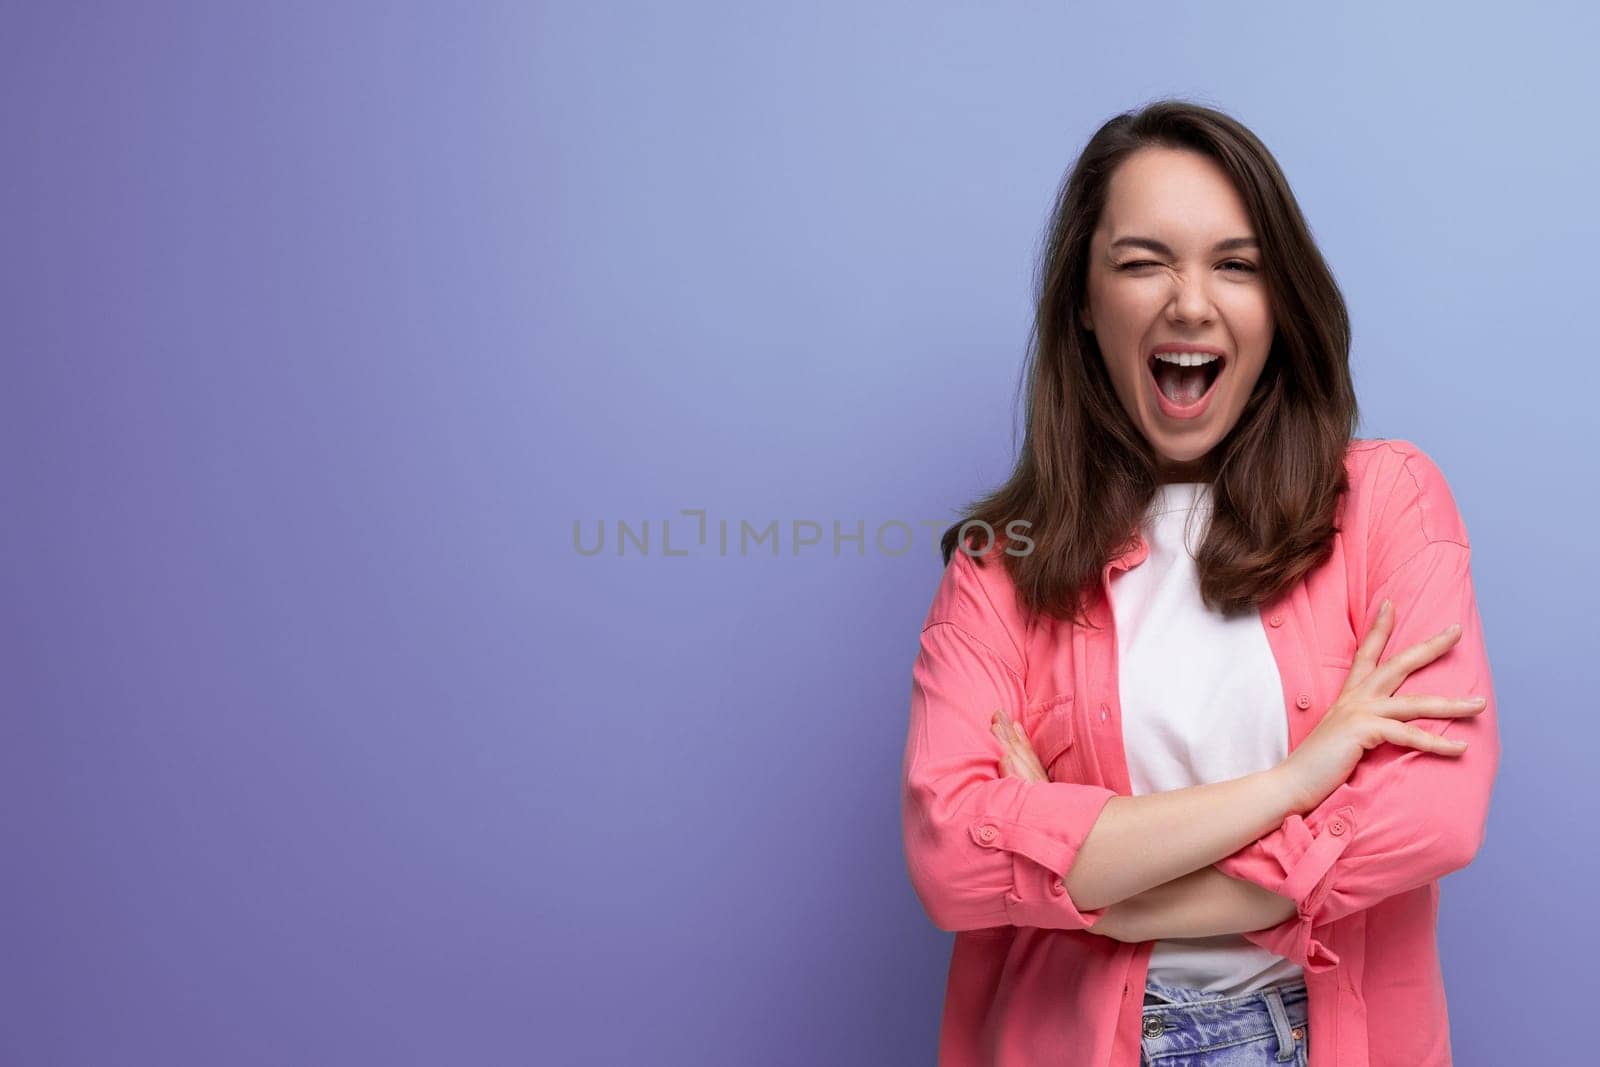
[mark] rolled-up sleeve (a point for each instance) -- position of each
(982, 849)
(1404, 817)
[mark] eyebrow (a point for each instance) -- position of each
(1156, 246)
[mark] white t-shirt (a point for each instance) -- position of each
(1201, 702)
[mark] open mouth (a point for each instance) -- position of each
(1184, 386)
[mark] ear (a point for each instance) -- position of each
(1083, 317)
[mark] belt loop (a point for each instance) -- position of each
(1280, 1023)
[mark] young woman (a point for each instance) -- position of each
(1202, 711)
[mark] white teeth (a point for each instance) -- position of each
(1187, 359)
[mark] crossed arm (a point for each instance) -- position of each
(1202, 903)
(1199, 904)
(984, 850)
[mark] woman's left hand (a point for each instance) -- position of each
(1018, 760)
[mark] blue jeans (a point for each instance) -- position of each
(1187, 1028)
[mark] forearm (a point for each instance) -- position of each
(1141, 842)
(1202, 903)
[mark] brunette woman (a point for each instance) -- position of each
(1202, 710)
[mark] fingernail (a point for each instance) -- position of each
(1384, 606)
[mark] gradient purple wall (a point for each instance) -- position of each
(323, 323)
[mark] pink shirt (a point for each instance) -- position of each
(988, 854)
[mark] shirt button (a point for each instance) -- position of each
(1303, 701)
(1103, 712)
(986, 833)
(1276, 620)
(1336, 827)
(1154, 1026)
(1059, 885)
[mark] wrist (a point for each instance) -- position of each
(1283, 791)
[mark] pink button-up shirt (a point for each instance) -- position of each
(988, 854)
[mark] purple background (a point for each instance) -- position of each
(322, 325)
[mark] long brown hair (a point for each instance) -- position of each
(1085, 474)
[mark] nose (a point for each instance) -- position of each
(1191, 300)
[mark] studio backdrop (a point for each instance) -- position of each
(474, 477)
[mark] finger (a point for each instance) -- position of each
(1393, 671)
(1409, 736)
(1011, 735)
(1028, 757)
(1002, 731)
(1018, 755)
(1009, 745)
(1420, 705)
(1016, 768)
(1371, 647)
(1025, 749)
(1370, 650)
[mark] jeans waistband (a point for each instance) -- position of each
(1177, 1019)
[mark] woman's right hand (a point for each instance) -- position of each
(1366, 714)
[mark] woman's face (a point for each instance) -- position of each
(1164, 270)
